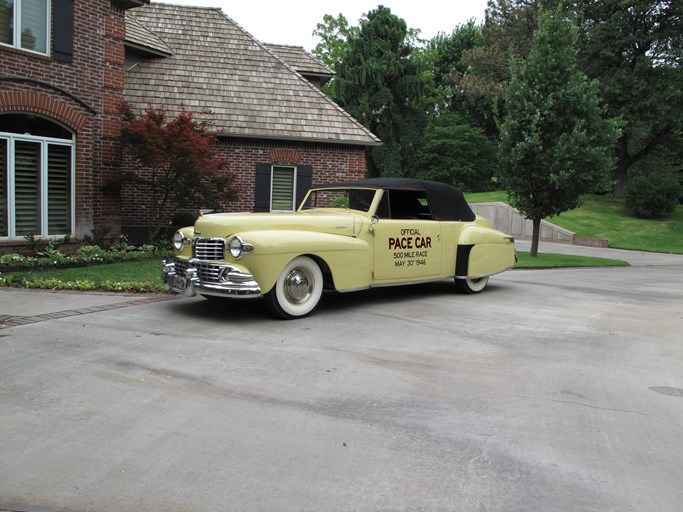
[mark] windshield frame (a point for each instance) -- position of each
(373, 197)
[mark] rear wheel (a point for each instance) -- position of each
(298, 289)
(471, 285)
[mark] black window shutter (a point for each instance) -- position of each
(304, 179)
(63, 30)
(262, 188)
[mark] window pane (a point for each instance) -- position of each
(27, 188)
(32, 125)
(58, 190)
(6, 21)
(283, 189)
(34, 25)
(4, 230)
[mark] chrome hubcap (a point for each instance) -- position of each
(297, 286)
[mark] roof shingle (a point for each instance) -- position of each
(251, 91)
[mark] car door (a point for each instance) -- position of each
(407, 242)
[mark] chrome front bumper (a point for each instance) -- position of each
(193, 276)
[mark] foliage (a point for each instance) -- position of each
(605, 217)
(382, 87)
(45, 249)
(457, 153)
(137, 277)
(505, 36)
(102, 237)
(85, 255)
(444, 58)
(43, 283)
(635, 49)
(554, 141)
(180, 167)
(653, 196)
(334, 34)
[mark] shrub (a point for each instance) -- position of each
(652, 196)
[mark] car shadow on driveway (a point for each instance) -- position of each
(332, 303)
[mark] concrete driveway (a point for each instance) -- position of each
(551, 391)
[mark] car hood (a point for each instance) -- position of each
(223, 225)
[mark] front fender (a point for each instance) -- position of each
(348, 259)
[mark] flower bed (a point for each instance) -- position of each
(86, 255)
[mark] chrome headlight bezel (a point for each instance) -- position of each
(179, 240)
(238, 247)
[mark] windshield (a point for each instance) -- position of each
(350, 198)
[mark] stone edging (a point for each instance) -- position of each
(15, 320)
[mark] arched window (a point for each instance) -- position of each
(36, 177)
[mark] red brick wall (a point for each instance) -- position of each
(83, 95)
(329, 162)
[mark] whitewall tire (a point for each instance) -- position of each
(298, 289)
(470, 286)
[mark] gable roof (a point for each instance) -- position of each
(302, 61)
(251, 91)
(141, 39)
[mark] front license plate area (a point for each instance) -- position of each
(181, 284)
(178, 283)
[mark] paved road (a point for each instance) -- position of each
(552, 390)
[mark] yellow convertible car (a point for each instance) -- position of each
(344, 237)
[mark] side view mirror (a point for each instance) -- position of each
(375, 220)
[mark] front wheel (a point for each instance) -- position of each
(298, 289)
(470, 285)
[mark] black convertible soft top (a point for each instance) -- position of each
(447, 202)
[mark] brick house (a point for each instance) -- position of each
(61, 80)
(278, 131)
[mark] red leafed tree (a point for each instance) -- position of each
(179, 167)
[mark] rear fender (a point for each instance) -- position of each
(483, 251)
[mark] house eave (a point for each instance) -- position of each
(342, 142)
(147, 50)
(130, 4)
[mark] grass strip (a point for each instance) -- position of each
(548, 260)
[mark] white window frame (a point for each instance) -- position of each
(43, 186)
(272, 183)
(17, 25)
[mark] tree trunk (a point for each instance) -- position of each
(624, 161)
(535, 237)
(621, 178)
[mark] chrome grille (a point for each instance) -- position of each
(208, 272)
(209, 249)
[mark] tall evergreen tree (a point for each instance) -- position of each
(380, 85)
(555, 143)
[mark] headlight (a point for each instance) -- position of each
(238, 247)
(179, 240)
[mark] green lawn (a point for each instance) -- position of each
(605, 217)
(132, 276)
(548, 260)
